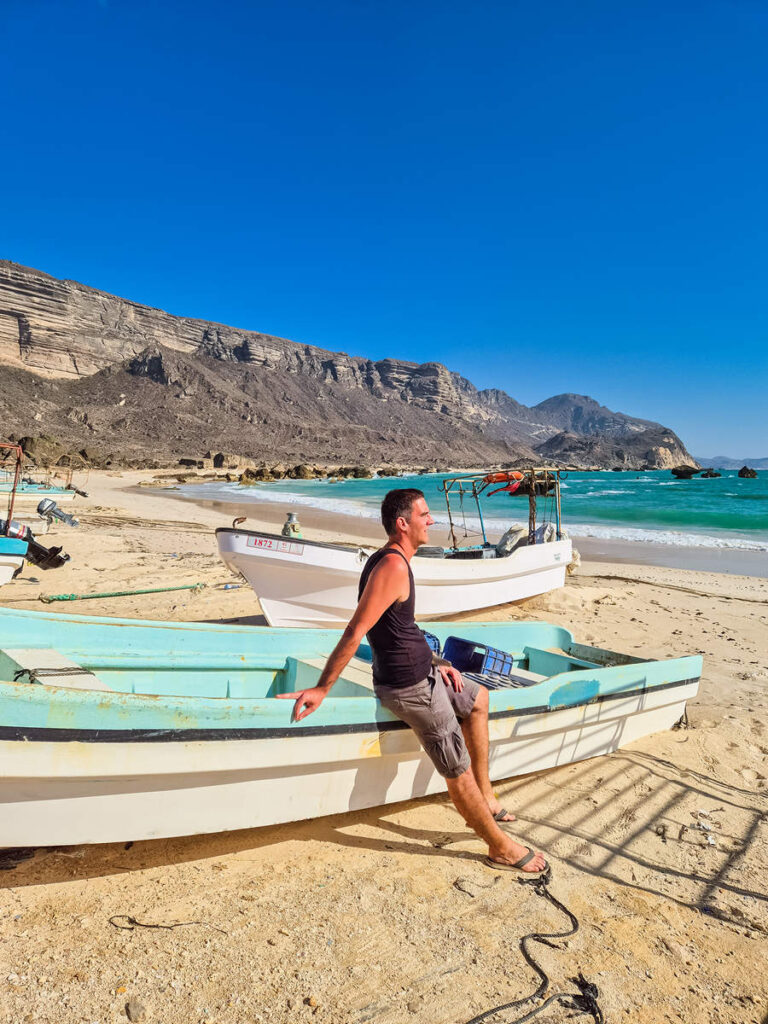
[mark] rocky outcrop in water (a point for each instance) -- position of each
(88, 367)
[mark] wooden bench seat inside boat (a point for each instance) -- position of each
(47, 666)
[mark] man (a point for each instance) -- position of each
(448, 714)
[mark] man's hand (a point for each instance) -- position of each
(307, 701)
(452, 677)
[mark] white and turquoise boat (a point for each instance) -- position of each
(29, 491)
(118, 729)
(12, 552)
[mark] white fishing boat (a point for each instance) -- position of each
(118, 729)
(30, 492)
(302, 582)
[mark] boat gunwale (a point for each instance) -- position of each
(370, 548)
(153, 735)
(349, 548)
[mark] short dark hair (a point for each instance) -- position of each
(398, 503)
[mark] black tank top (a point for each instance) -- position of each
(401, 655)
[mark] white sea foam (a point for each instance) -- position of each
(360, 509)
(673, 537)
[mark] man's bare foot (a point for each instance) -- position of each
(508, 854)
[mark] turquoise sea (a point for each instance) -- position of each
(651, 507)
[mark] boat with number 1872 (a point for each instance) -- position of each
(312, 583)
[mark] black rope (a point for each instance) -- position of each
(40, 673)
(131, 923)
(584, 1001)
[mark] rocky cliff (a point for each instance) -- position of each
(654, 448)
(97, 369)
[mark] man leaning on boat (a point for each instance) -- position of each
(448, 713)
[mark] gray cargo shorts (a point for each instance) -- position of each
(434, 711)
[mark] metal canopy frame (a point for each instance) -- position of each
(19, 453)
(474, 485)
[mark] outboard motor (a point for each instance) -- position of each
(45, 558)
(13, 529)
(42, 557)
(49, 510)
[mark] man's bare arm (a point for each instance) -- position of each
(387, 583)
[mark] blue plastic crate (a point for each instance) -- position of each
(467, 656)
(433, 641)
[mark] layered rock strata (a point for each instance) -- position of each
(95, 367)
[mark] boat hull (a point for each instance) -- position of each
(12, 554)
(34, 495)
(146, 730)
(71, 792)
(305, 583)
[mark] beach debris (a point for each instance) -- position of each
(683, 830)
(127, 923)
(706, 828)
(135, 1010)
(462, 884)
(661, 832)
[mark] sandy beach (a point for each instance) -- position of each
(389, 915)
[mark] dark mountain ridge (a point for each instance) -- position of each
(98, 370)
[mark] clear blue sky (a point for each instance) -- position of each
(546, 197)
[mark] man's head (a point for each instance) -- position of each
(404, 513)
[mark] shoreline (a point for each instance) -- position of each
(269, 516)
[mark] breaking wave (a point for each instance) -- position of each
(370, 510)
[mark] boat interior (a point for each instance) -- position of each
(231, 675)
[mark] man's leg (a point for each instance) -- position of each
(431, 715)
(473, 807)
(475, 730)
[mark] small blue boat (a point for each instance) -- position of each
(12, 552)
(118, 729)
